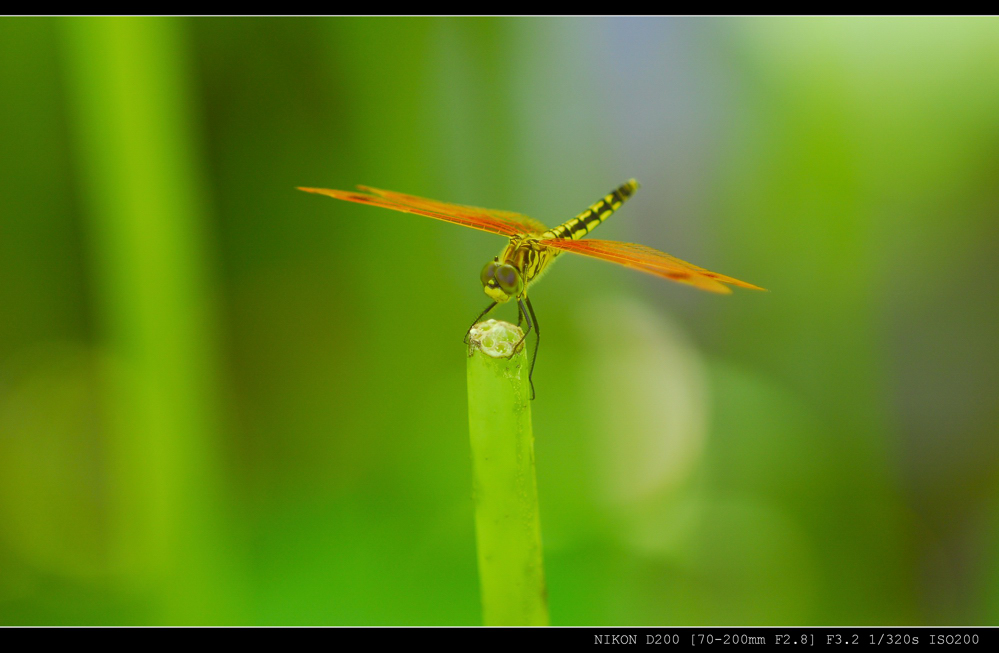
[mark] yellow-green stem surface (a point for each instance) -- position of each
(507, 523)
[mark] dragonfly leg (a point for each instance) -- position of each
(532, 323)
(537, 344)
(481, 315)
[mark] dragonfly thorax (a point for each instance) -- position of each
(501, 281)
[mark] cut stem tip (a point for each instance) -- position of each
(495, 338)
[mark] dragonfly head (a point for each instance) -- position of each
(501, 281)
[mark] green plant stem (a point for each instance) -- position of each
(145, 208)
(507, 524)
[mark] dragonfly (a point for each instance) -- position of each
(532, 248)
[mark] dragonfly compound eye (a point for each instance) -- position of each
(488, 273)
(508, 279)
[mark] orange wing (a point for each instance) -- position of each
(649, 260)
(504, 223)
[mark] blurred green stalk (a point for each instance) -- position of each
(507, 524)
(144, 201)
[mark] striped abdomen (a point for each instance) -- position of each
(588, 220)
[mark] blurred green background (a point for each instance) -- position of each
(223, 401)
